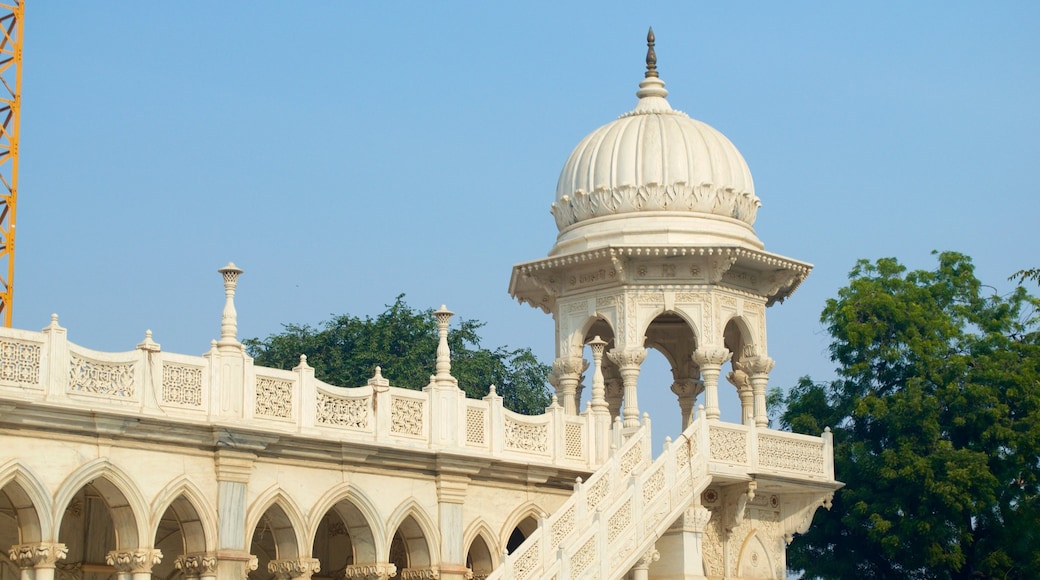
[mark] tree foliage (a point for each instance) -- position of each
(936, 420)
(403, 341)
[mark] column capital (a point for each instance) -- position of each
(134, 561)
(431, 573)
(194, 565)
(569, 366)
(647, 558)
(41, 554)
(371, 571)
(711, 356)
(294, 568)
(627, 358)
(757, 365)
(687, 387)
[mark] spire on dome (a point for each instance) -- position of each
(651, 56)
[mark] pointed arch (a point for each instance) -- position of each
(197, 517)
(414, 524)
(755, 559)
(30, 500)
(283, 519)
(522, 517)
(481, 561)
(121, 495)
(359, 515)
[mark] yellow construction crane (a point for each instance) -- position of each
(11, 25)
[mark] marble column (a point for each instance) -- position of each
(134, 564)
(233, 468)
(710, 361)
(628, 361)
(567, 372)
(451, 494)
(681, 547)
(759, 368)
(37, 561)
(740, 379)
(598, 405)
(687, 390)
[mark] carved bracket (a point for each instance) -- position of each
(736, 517)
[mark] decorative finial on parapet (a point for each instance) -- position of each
(443, 317)
(651, 56)
(229, 319)
(148, 344)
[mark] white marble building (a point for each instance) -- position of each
(148, 464)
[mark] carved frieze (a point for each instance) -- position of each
(100, 378)
(274, 398)
(526, 436)
(19, 362)
(342, 411)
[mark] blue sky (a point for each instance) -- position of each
(343, 153)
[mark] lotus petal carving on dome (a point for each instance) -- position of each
(676, 197)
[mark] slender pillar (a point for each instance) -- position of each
(294, 568)
(687, 390)
(759, 368)
(614, 388)
(134, 564)
(37, 561)
(628, 362)
(740, 379)
(567, 372)
(598, 405)
(710, 360)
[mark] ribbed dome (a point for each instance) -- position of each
(659, 171)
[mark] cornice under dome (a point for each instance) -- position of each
(654, 175)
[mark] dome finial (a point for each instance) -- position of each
(651, 56)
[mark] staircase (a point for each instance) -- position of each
(612, 519)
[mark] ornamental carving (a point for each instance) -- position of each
(294, 568)
(574, 440)
(19, 362)
(581, 307)
(194, 565)
(650, 298)
(630, 459)
(273, 398)
(711, 548)
(30, 555)
(342, 411)
(675, 197)
(406, 416)
(475, 426)
(583, 557)
(619, 521)
(595, 493)
(526, 437)
(728, 445)
(653, 485)
(420, 574)
(182, 385)
(562, 527)
(376, 571)
(791, 455)
(628, 358)
(527, 562)
(134, 562)
(104, 379)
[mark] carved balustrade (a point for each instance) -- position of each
(224, 388)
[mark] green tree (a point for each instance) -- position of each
(936, 420)
(403, 341)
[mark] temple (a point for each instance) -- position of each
(149, 464)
